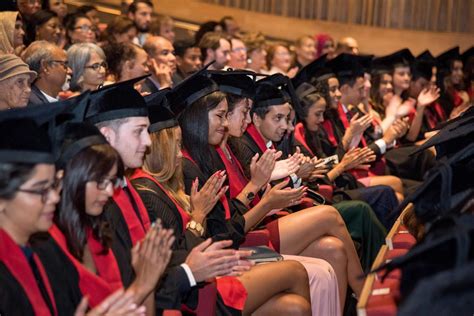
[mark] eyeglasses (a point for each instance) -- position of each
(104, 183)
(97, 66)
(44, 193)
(85, 28)
(63, 63)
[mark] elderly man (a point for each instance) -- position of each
(163, 63)
(50, 62)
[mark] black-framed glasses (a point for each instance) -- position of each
(102, 184)
(97, 66)
(63, 63)
(44, 192)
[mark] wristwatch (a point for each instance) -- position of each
(250, 196)
(193, 225)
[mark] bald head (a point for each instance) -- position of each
(161, 50)
(347, 45)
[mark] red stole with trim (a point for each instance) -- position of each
(136, 228)
(300, 137)
(17, 263)
(185, 216)
(257, 138)
(223, 199)
(97, 288)
(235, 173)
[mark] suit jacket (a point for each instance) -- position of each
(36, 97)
(149, 86)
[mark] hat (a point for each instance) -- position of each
(72, 137)
(311, 71)
(365, 61)
(191, 89)
(240, 82)
(468, 53)
(159, 113)
(426, 56)
(23, 141)
(422, 66)
(116, 101)
(453, 137)
(444, 60)
(346, 67)
(12, 65)
(400, 58)
(269, 92)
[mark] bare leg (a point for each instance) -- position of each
(299, 230)
(394, 182)
(265, 281)
(284, 304)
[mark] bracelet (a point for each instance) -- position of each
(197, 227)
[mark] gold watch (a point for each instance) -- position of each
(193, 225)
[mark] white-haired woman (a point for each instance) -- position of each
(88, 65)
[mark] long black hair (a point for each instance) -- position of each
(91, 164)
(12, 177)
(194, 123)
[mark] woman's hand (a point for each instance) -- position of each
(119, 303)
(284, 168)
(204, 200)
(357, 157)
(428, 96)
(261, 167)
(150, 258)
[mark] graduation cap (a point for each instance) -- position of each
(365, 61)
(445, 59)
(422, 67)
(469, 53)
(445, 188)
(191, 89)
(71, 138)
(313, 70)
(116, 101)
(239, 82)
(346, 67)
(159, 113)
(455, 135)
(400, 58)
(426, 56)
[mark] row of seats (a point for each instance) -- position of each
(380, 296)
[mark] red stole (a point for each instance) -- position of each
(235, 173)
(457, 100)
(185, 216)
(434, 115)
(223, 199)
(257, 138)
(97, 288)
(300, 137)
(136, 228)
(232, 291)
(17, 263)
(328, 127)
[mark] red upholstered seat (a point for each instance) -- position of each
(403, 241)
(257, 238)
(326, 191)
(171, 312)
(206, 302)
(395, 253)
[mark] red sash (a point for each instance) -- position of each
(237, 179)
(257, 138)
(136, 228)
(327, 125)
(300, 137)
(457, 100)
(17, 263)
(223, 199)
(185, 217)
(97, 288)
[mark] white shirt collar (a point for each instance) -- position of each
(269, 144)
(48, 97)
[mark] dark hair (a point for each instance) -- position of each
(119, 25)
(12, 176)
(117, 55)
(223, 21)
(349, 80)
(233, 100)
(210, 40)
(70, 21)
(307, 101)
(132, 8)
(37, 20)
(204, 28)
(92, 163)
(180, 47)
(377, 101)
(86, 9)
(194, 123)
(260, 111)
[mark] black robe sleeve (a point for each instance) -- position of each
(244, 149)
(217, 226)
(13, 299)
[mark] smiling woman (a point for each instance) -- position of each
(15, 82)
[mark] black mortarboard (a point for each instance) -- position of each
(444, 60)
(311, 71)
(365, 61)
(71, 138)
(116, 101)
(388, 63)
(346, 67)
(454, 136)
(159, 113)
(426, 56)
(422, 66)
(190, 90)
(240, 82)
(468, 53)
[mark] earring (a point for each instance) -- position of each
(249, 60)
